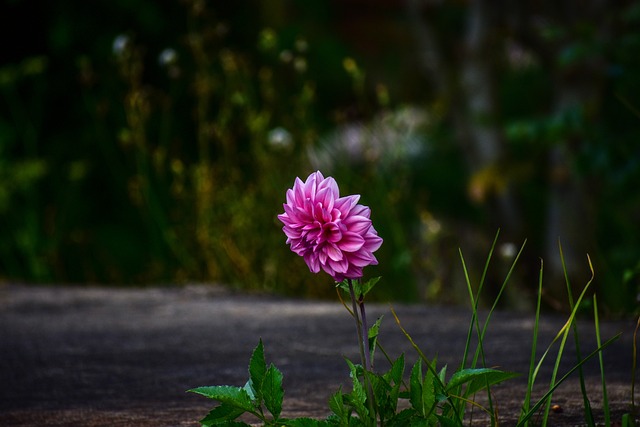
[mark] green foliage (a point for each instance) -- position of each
(257, 370)
(431, 397)
(425, 393)
(478, 379)
(237, 397)
(360, 289)
(272, 391)
(372, 336)
(262, 391)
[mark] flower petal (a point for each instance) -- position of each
(345, 204)
(361, 259)
(357, 223)
(333, 252)
(340, 266)
(351, 242)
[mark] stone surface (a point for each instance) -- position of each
(102, 357)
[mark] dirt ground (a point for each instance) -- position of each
(91, 356)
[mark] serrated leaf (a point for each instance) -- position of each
(415, 387)
(402, 418)
(394, 377)
(248, 387)
(364, 288)
(428, 393)
(372, 334)
(359, 289)
(344, 285)
(382, 391)
(257, 370)
(443, 374)
(441, 394)
(272, 391)
(229, 424)
(479, 376)
(465, 375)
(336, 404)
(221, 413)
(396, 371)
(487, 380)
(375, 328)
(233, 396)
(357, 398)
(305, 422)
(448, 422)
(419, 422)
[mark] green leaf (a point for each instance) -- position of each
(448, 422)
(305, 422)
(373, 337)
(336, 404)
(357, 398)
(248, 387)
(232, 396)
(429, 393)
(394, 378)
(359, 289)
(478, 379)
(403, 418)
(272, 391)
(222, 413)
(415, 387)
(363, 289)
(257, 370)
(487, 380)
(396, 371)
(464, 376)
(382, 392)
(228, 424)
(344, 285)
(443, 374)
(375, 328)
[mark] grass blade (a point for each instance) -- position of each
(633, 367)
(429, 365)
(548, 394)
(563, 334)
(588, 413)
(605, 399)
(532, 378)
(474, 299)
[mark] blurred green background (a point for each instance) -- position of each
(146, 142)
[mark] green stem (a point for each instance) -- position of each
(358, 325)
(365, 337)
(363, 344)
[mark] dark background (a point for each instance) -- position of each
(453, 119)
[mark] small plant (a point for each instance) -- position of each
(335, 234)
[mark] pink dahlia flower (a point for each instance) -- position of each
(330, 232)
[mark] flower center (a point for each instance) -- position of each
(331, 232)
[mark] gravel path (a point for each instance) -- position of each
(93, 356)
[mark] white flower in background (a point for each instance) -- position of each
(286, 56)
(300, 65)
(120, 44)
(279, 138)
(508, 250)
(301, 45)
(389, 138)
(167, 57)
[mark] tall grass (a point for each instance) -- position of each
(475, 358)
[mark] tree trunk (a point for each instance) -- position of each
(569, 216)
